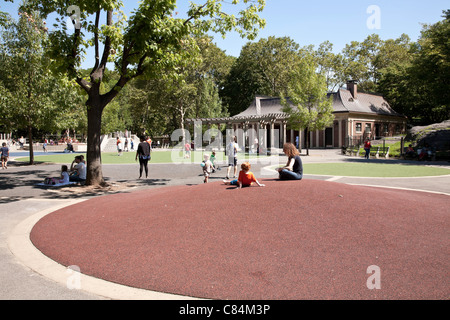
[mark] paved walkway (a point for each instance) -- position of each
(27, 274)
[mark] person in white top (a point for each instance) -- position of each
(207, 168)
(64, 179)
(78, 170)
(232, 151)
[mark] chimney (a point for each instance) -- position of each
(353, 87)
(258, 105)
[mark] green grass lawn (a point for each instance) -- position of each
(373, 170)
(129, 157)
(365, 169)
(394, 150)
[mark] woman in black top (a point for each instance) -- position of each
(294, 167)
(143, 153)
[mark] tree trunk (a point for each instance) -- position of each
(182, 112)
(30, 142)
(94, 157)
(307, 141)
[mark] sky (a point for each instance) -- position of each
(313, 22)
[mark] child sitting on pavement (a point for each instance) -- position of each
(64, 179)
(245, 179)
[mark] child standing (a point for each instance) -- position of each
(245, 179)
(4, 155)
(213, 159)
(119, 146)
(207, 168)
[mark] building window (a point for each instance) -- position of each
(397, 129)
(386, 129)
(359, 127)
(368, 128)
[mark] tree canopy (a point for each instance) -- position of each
(156, 67)
(151, 42)
(33, 98)
(306, 102)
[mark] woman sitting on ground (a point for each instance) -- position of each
(294, 167)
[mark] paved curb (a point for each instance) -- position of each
(23, 249)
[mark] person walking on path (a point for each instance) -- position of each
(4, 155)
(232, 151)
(294, 167)
(367, 146)
(187, 150)
(143, 153)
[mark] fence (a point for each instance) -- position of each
(353, 141)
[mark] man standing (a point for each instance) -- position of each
(21, 142)
(232, 151)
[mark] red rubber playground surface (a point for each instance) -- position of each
(290, 240)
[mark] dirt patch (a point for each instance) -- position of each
(107, 188)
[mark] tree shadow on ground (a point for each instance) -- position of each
(5, 200)
(14, 179)
(110, 187)
(17, 185)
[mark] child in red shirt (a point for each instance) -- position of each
(245, 179)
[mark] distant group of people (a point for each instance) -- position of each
(124, 147)
(76, 173)
(293, 170)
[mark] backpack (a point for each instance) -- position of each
(50, 181)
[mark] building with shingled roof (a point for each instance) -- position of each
(357, 115)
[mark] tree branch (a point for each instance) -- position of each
(73, 55)
(97, 57)
(107, 49)
(86, 85)
(97, 73)
(194, 15)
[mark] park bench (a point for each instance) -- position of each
(380, 152)
(352, 150)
